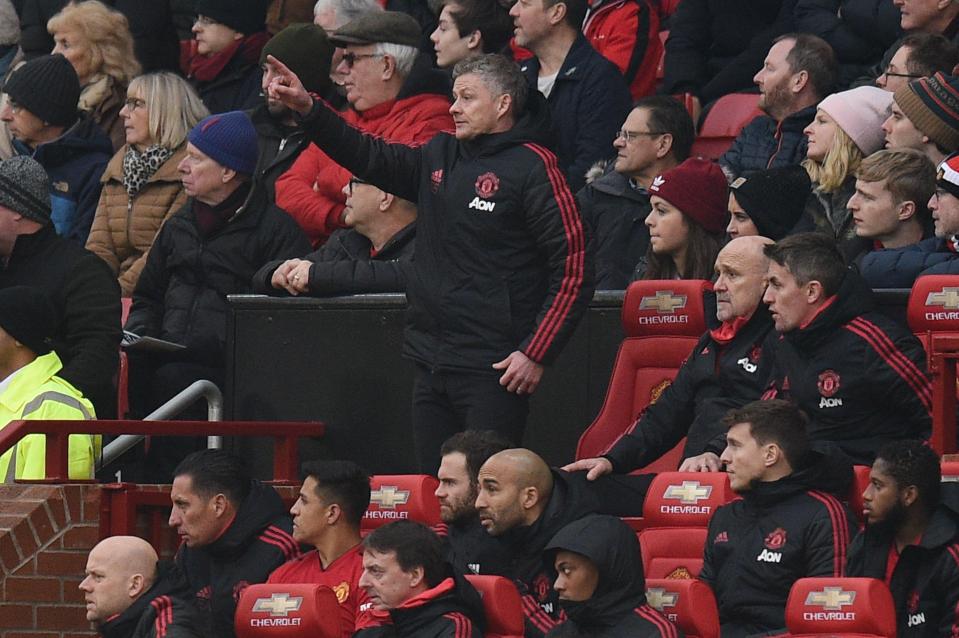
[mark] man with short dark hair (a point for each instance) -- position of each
(919, 55)
(788, 525)
(234, 531)
(470, 27)
(859, 376)
(911, 539)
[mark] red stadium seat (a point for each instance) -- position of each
(662, 321)
(858, 487)
(689, 604)
(672, 552)
(502, 605)
(950, 471)
(728, 116)
(840, 606)
(397, 497)
(287, 611)
(668, 7)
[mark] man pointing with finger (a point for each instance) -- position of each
(501, 274)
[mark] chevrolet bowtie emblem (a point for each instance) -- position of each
(658, 598)
(948, 298)
(689, 493)
(831, 598)
(663, 302)
(278, 604)
(389, 496)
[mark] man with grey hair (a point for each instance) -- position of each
(501, 274)
(393, 92)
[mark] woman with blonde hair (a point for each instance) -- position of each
(846, 129)
(97, 42)
(141, 184)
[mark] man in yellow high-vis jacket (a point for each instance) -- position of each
(30, 389)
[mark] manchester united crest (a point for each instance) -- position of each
(828, 383)
(776, 539)
(541, 588)
(342, 592)
(487, 184)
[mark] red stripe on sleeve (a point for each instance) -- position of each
(898, 361)
(840, 531)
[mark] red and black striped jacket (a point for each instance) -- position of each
(452, 609)
(158, 613)
(501, 257)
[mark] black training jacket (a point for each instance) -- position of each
(158, 613)
(780, 531)
(471, 549)
(859, 376)
(925, 583)
(501, 261)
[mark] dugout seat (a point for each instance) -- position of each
(501, 604)
(395, 497)
(687, 603)
(727, 117)
(840, 606)
(662, 321)
(287, 611)
(950, 471)
(859, 484)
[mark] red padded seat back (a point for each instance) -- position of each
(859, 485)
(685, 499)
(934, 307)
(395, 497)
(287, 611)
(501, 604)
(689, 604)
(830, 606)
(672, 552)
(950, 471)
(728, 116)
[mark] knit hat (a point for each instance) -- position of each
(947, 176)
(379, 26)
(243, 16)
(860, 112)
(48, 87)
(774, 199)
(25, 188)
(306, 50)
(932, 105)
(229, 139)
(28, 315)
(697, 187)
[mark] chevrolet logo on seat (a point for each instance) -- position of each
(689, 493)
(831, 598)
(658, 598)
(948, 298)
(663, 302)
(278, 604)
(389, 496)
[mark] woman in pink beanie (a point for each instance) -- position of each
(846, 129)
(686, 222)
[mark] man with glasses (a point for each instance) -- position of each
(393, 92)
(656, 136)
(919, 55)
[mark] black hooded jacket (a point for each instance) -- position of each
(617, 609)
(256, 542)
(779, 532)
(471, 549)
(925, 583)
(860, 377)
(161, 612)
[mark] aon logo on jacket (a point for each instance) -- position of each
(483, 205)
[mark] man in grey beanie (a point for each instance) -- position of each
(81, 286)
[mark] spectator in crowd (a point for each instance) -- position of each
(587, 95)
(470, 27)
(929, 16)
(84, 292)
(525, 502)
(910, 539)
(934, 256)
(859, 376)
(331, 15)
(381, 229)
(30, 388)
(847, 128)
(627, 34)
(207, 250)
(715, 47)
(222, 61)
(728, 368)
(534, 243)
(393, 93)
(282, 13)
(404, 573)
(686, 222)
(130, 595)
(41, 114)
(889, 207)
(799, 71)
(919, 55)
(470, 548)
(600, 582)
(233, 531)
(924, 117)
(768, 203)
(96, 40)
(141, 184)
(787, 525)
(305, 49)
(327, 516)
(656, 136)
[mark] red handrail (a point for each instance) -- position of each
(284, 433)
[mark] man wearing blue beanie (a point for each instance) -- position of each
(209, 249)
